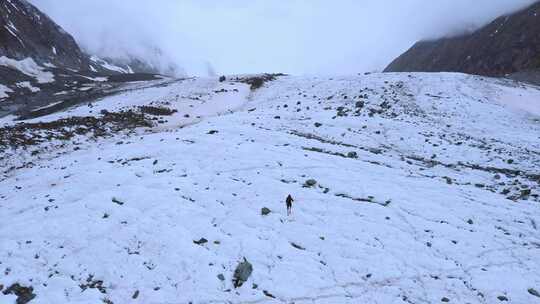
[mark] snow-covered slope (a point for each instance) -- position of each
(408, 188)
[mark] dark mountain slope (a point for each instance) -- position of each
(41, 64)
(508, 45)
(27, 32)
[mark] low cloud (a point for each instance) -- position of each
(245, 36)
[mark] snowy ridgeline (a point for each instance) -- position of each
(420, 188)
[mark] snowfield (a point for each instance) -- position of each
(408, 188)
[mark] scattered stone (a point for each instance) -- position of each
(502, 298)
(93, 284)
(318, 124)
(534, 292)
(525, 194)
(352, 155)
(445, 299)
(310, 183)
(297, 246)
(157, 111)
(202, 241)
(222, 79)
(258, 81)
(117, 201)
(31, 134)
(221, 277)
(266, 293)
(24, 294)
(135, 295)
(242, 273)
(470, 222)
(265, 211)
(212, 132)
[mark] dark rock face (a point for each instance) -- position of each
(508, 45)
(27, 32)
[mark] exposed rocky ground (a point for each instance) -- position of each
(510, 44)
(408, 188)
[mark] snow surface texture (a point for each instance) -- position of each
(426, 191)
(28, 67)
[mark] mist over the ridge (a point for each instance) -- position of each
(241, 36)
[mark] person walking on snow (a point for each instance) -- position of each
(288, 202)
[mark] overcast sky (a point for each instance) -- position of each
(291, 36)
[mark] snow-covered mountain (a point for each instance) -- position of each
(408, 188)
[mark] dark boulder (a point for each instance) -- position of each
(242, 273)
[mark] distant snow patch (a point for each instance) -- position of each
(111, 67)
(13, 31)
(48, 106)
(28, 67)
(96, 79)
(114, 68)
(28, 85)
(49, 65)
(4, 90)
